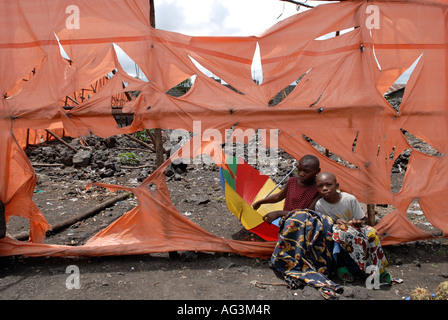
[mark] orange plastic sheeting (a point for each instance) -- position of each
(338, 101)
(154, 225)
(27, 137)
(17, 183)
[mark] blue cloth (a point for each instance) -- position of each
(303, 253)
(336, 251)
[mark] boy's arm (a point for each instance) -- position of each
(273, 215)
(359, 217)
(271, 199)
(312, 205)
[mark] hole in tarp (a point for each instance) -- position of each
(203, 198)
(62, 50)
(417, 217)
(129, 65)
(196, 192)
(279, 97)
(10, 92)
(421, 145)
(400, 164)
(16, 89)
(391, 155)
(398, 170)
(152, 187)
(248, 145)
(355, 142)
(395, 93)
(60, 192)
(82, 95)
(315, 102)
(334, 34)
(117, 103)
(330, 155)
(379, 148)
(181, 88)
(256, 67)
(211, 75)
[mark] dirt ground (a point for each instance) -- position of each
(196, 191)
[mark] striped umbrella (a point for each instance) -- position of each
(245, 187)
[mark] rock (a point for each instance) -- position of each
(47, 150)
(110, 142)
(75, 143)
(225, 263)
(107, 173)
(66, 158)
(361, 293)
(82, 158)
(189, 256)
(142, 175)
(197, 200)
(110, 165)
(169, 171)
(348, 292)
(178, 165)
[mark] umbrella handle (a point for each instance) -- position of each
(294, 167)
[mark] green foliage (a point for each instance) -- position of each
(142, 135)
(184, 86)
(128, 158)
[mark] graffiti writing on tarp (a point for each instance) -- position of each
(232, 142)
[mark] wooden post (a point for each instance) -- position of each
(157, 132)
(60, 140)
(27, 137)
(139, 141)
(68, 222)
(159, 147)
(371, 215)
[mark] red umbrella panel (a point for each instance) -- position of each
(246, 187)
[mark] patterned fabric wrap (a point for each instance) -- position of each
(303, 253)
(362, 244)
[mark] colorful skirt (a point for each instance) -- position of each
(362, 244)
(303, 253)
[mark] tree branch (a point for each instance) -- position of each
(298, 3)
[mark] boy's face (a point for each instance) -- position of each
(307, 171)
(327, 186)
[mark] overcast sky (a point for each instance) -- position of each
(219, 18)
(222, 18)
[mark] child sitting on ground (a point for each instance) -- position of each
(300, 191)
(360, 244)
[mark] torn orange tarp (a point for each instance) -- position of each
(338, 100)
(17, 184)
(27, 137)
(154, 225)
